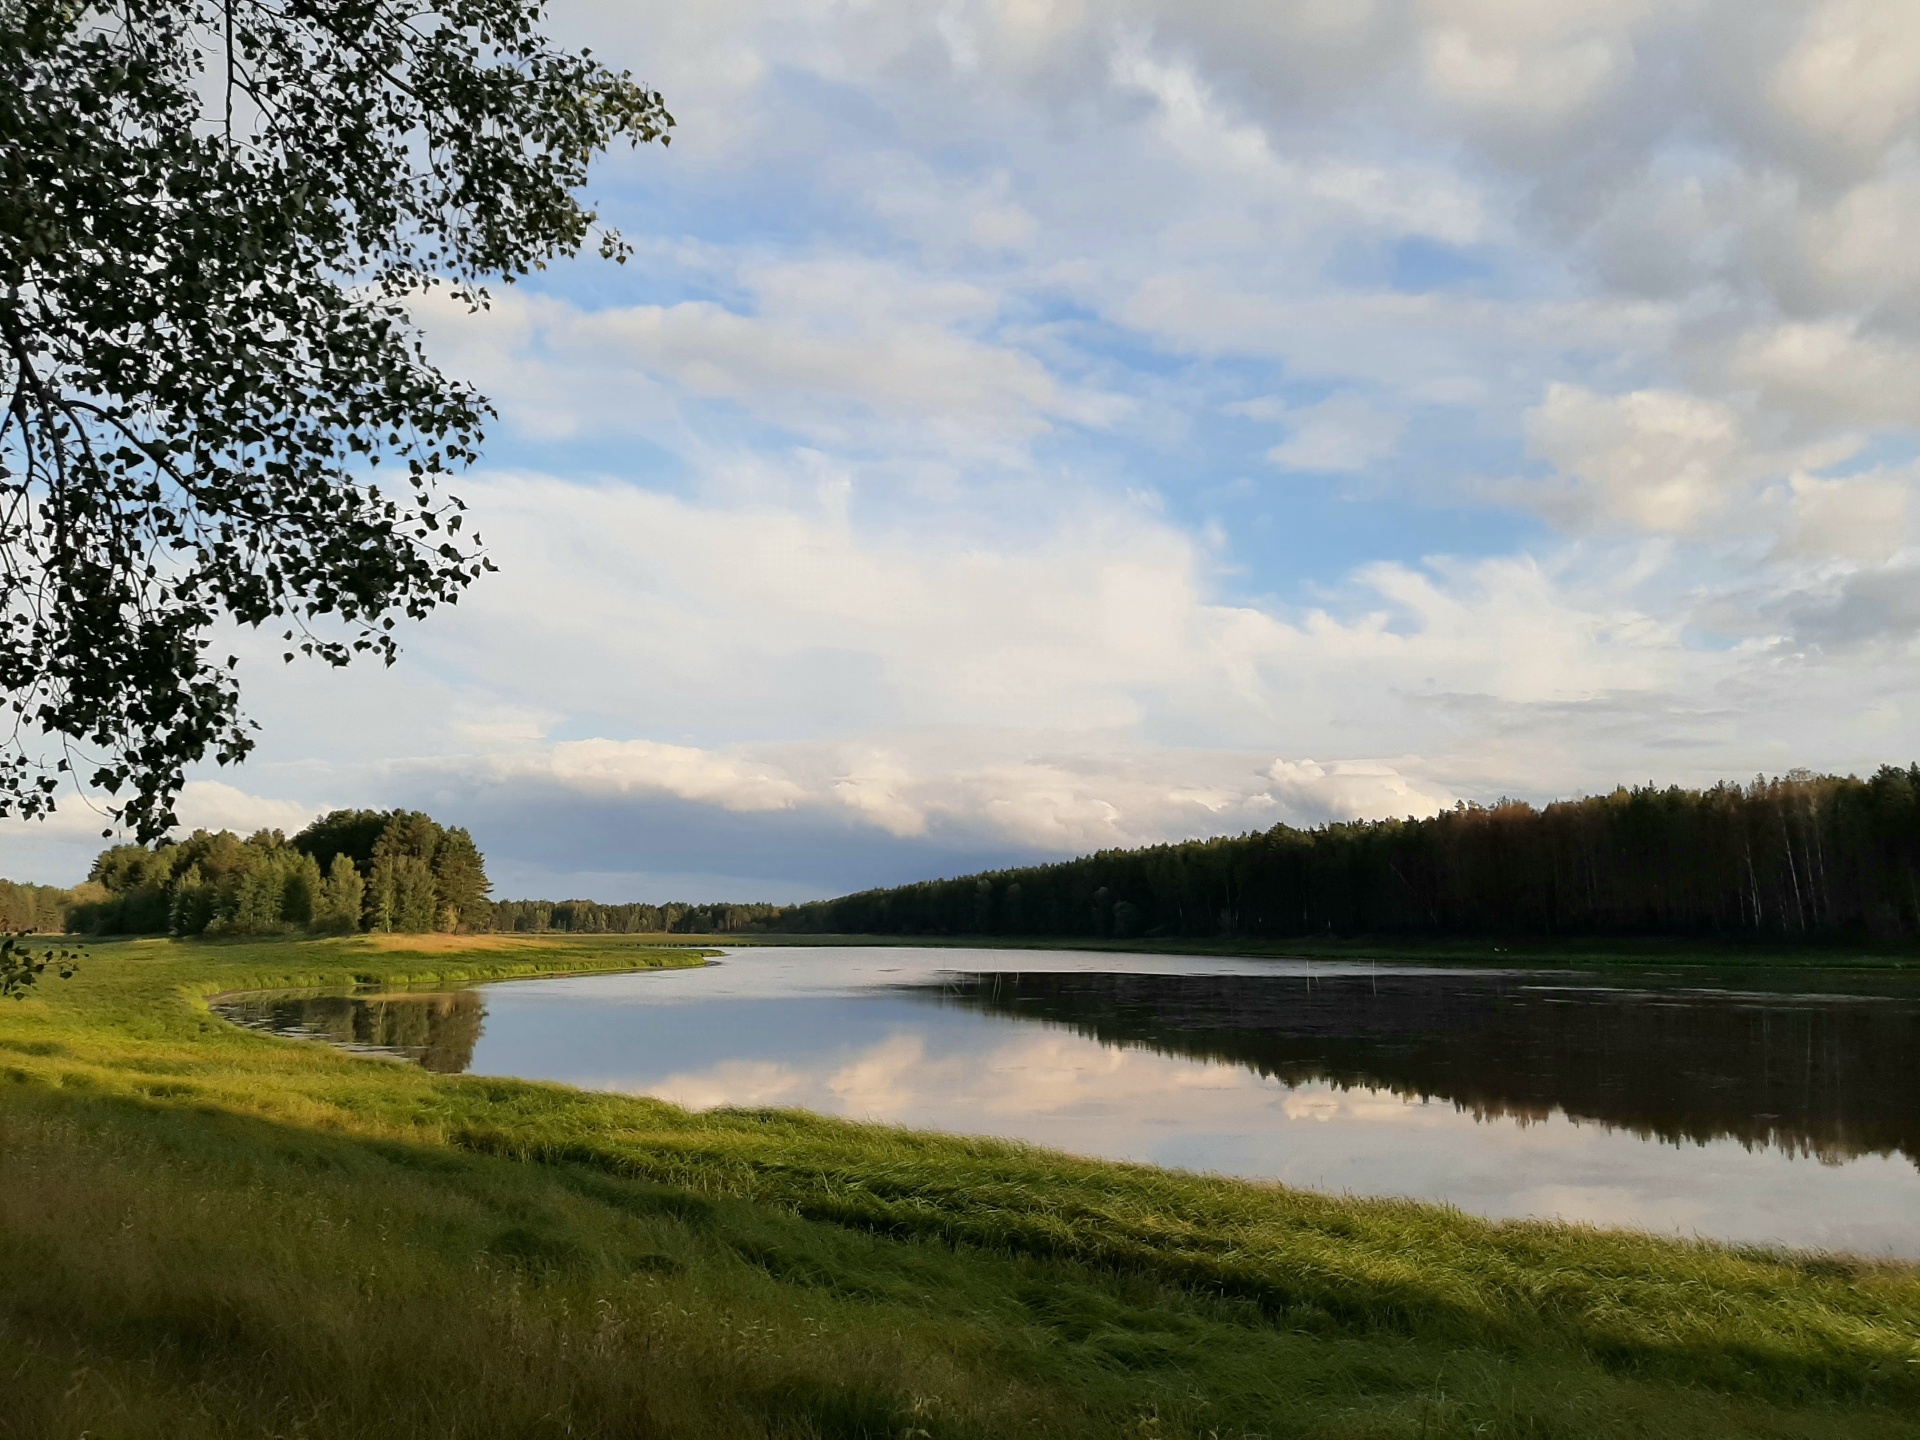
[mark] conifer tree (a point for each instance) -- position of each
(416, 876)
(460, 883)
(342, 895)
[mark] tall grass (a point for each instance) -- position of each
(207, 1232)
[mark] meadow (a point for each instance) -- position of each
(206, 1232)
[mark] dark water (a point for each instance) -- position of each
(1780, 1107)
(437, 1030)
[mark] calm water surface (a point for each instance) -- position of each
(1773, 1107)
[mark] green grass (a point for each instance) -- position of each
(206, 1232)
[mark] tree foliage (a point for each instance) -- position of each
(213, 216)
(591, 917)
(348, 871)
(25, 908)
(21, 966)
(398, 870)
(1803, 857)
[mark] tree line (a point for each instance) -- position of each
(1798, 857)
(350, 870)
(590, 917)
(26, 909)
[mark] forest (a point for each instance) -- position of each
(1799, 857)
(590, 917)
(350, 870)
(25, 909)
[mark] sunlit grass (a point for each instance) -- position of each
(208, 1232)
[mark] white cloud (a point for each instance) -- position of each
(1858, 251)
(833, 348)
(1202, 132)
(1658, 459)
(1861, 519)
(1077, 687)
(625, 766)
(935, 313)
(59, 849)
(214, 805)
(1487, 69)
(1694, 300)
(1344, 433)
(1351, 790)
(1853, 75)
(1832, 371)
(1391, 339)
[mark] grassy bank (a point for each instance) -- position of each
(206, 1232)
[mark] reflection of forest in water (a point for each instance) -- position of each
(438, 1031)
(1831, 1076)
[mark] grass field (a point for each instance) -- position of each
(208, 1233)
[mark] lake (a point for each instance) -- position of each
(1776, 1107)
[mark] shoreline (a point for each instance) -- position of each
(1025, 1288)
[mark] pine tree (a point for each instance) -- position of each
(301, 889)
(341, 896)
(460, 883)
(400, 890)
(192, 904)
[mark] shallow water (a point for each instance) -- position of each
(1775, 1107)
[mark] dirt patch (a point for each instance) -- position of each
(458, 944)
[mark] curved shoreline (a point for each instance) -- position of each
(866, 1262)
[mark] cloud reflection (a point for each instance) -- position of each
(1061, 1090)
(1758, 1114)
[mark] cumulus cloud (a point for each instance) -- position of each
(215, 805)
(1348, 790)
(684, 771)
(899, 511)
(1852, 76)
(1531, 64)
(1658, 459)
(1832, 371)
(1861, 518)
(927, 801)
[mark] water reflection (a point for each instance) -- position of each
(436, 1030)
(1826, 1075)
(1767, 1115)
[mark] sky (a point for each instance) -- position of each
(1032, 426)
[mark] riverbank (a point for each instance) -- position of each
(1531, 951)
(205, 1231)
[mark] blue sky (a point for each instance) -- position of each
(1027, 426)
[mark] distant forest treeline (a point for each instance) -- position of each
(25, 908)
(1807, 856)
(590, 917)
(1801, 857)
